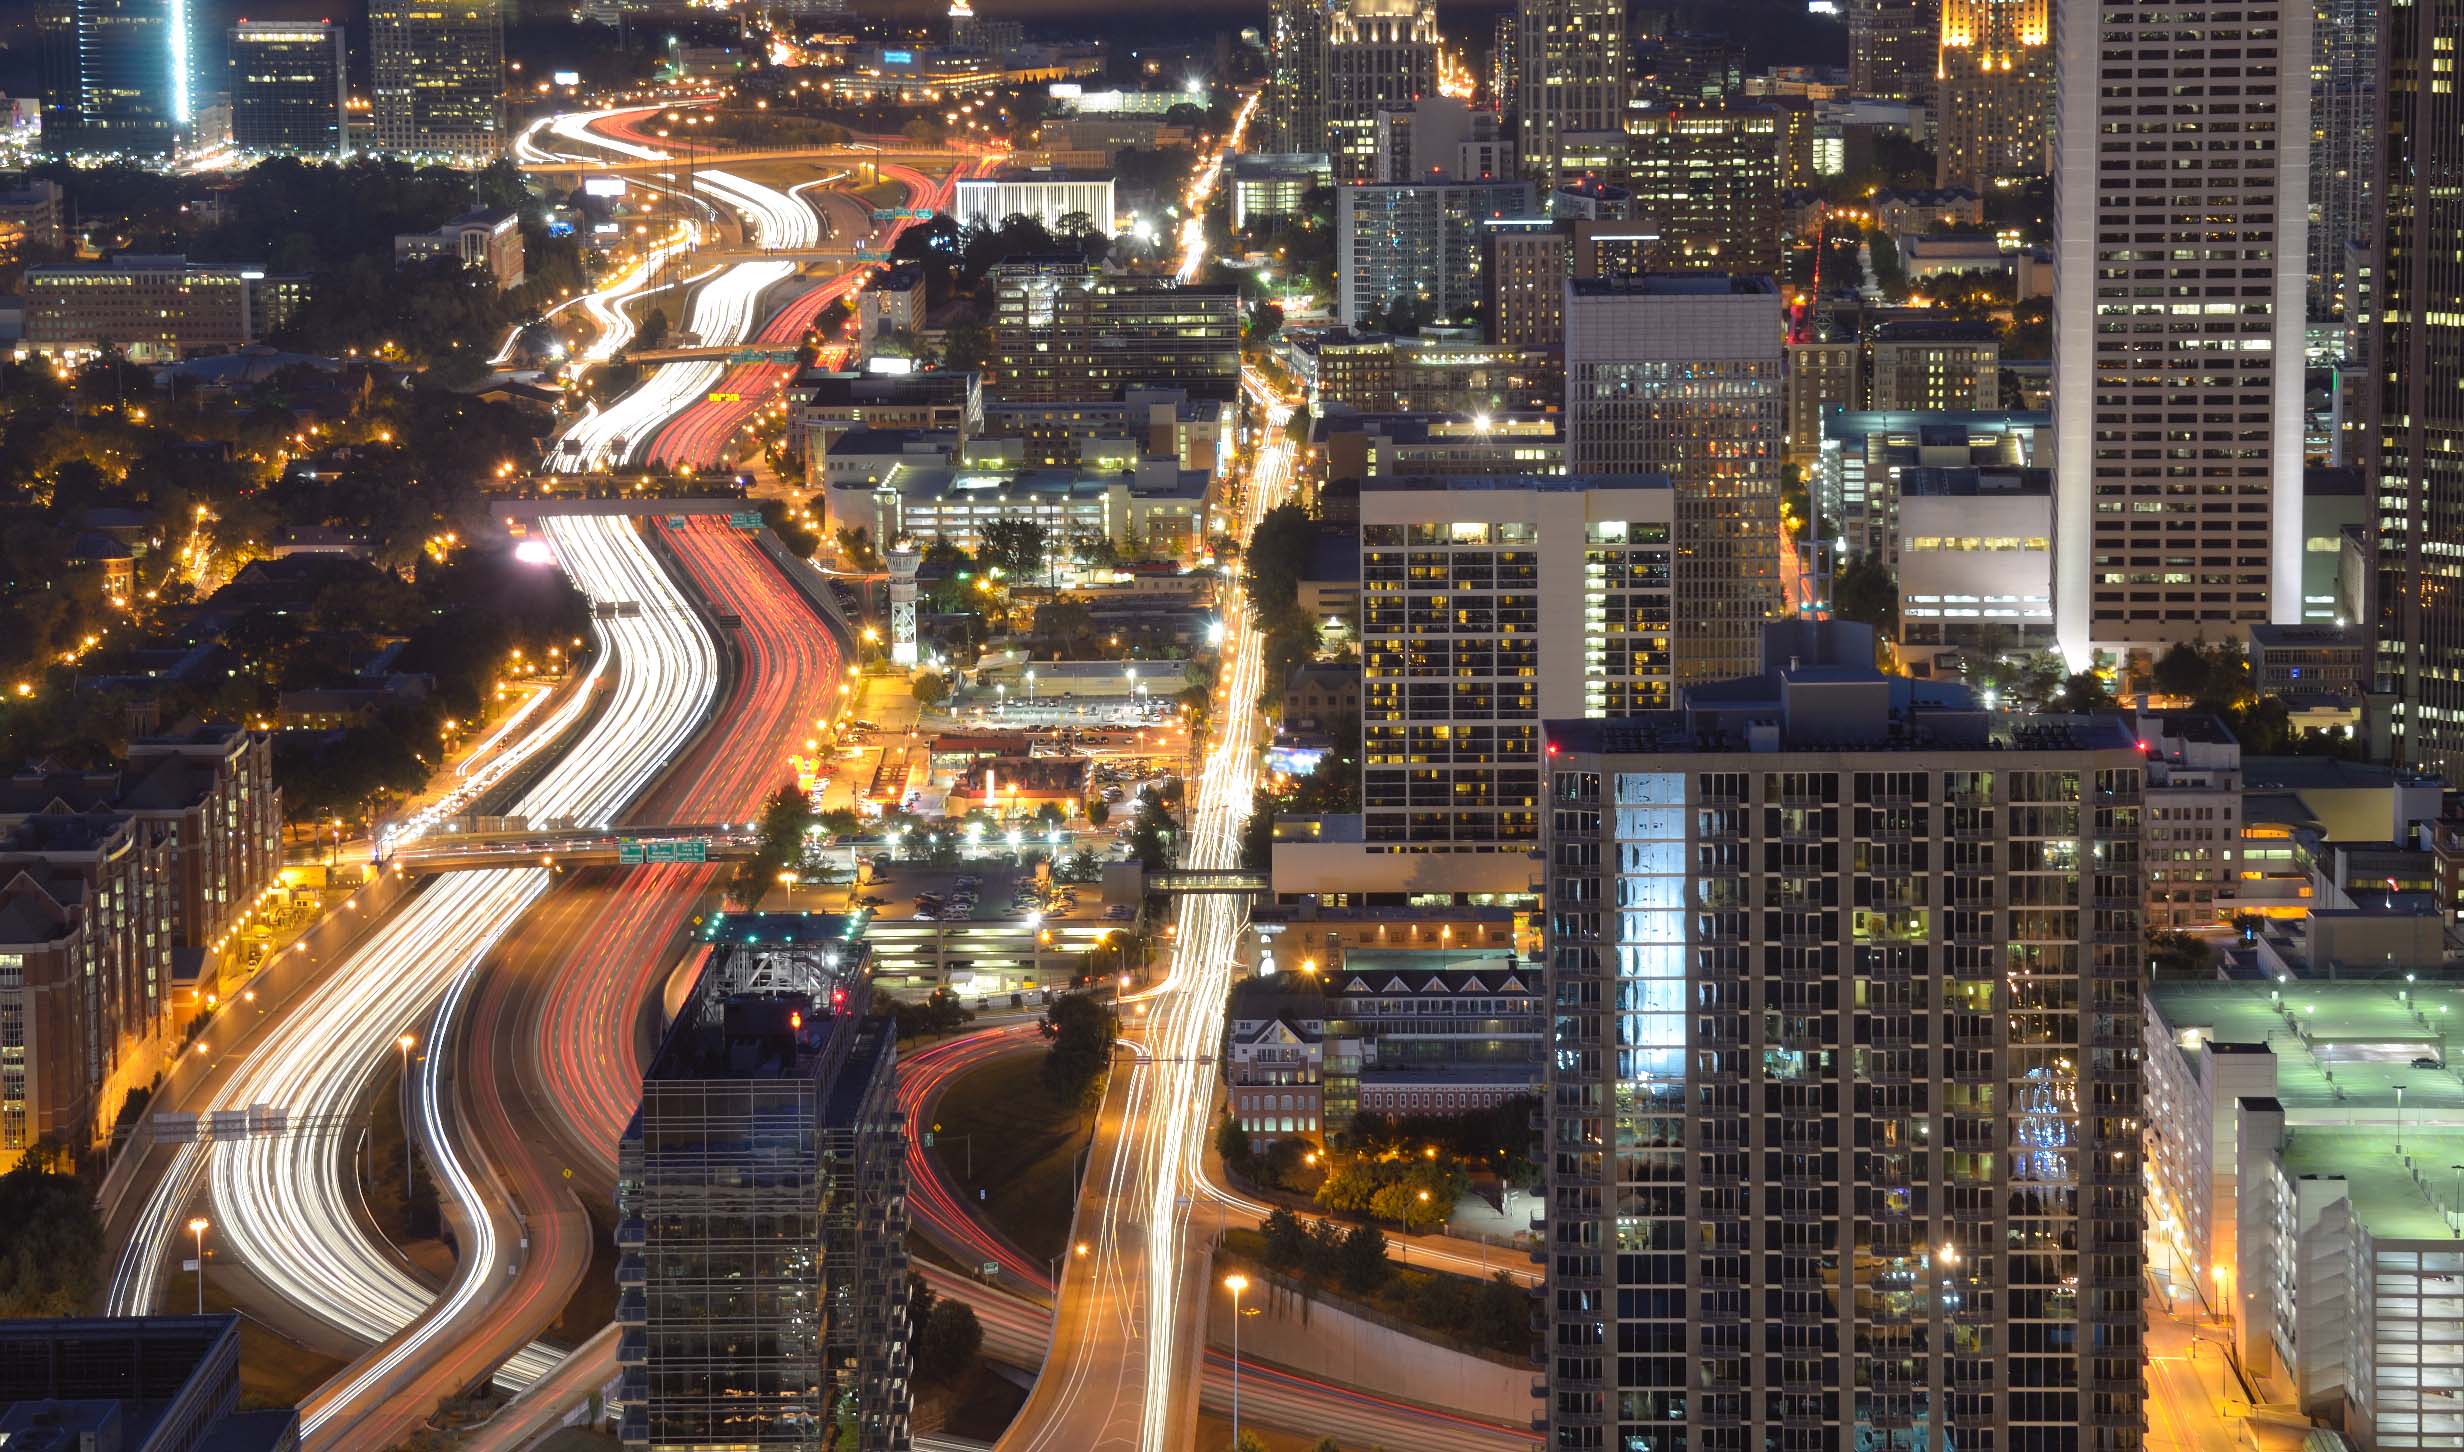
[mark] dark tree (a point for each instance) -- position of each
(51, 1261)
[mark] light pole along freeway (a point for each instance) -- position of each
(281, 1202)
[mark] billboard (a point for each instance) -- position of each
(603, 186)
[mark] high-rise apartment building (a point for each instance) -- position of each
(761, 1207)
(1571, 74)
(1296, 75)
(1488, 604)
(1679, 374)
(1417, 245)
(2344, 172)
(1891, 48)
(440, 77)
(1706, 182)
(1062, 329)
(289, 88)
(2177, 322)
(1378, 53)
(119, 78)
(1504, 76)
(1844, 1082)
(2418, 419)
(1529, 259)
(1994, 113)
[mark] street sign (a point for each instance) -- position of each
(634, 852)
(716, 397)
(745, 519)
(675, 521)
(762, 355)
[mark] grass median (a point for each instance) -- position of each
(1002, 1134)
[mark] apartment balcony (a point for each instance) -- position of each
(630, 1271)
(631, 1234)
(632, 1347)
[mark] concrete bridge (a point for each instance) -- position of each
(576, 847)
(854, 153)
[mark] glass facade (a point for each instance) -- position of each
(1843, 1104)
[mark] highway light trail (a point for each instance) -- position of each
(1116, 1374)
(284, 1202)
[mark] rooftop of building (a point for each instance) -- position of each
(2397, 1195)
(825, 386)
(1918, 330)
(894, 441)
(1819, 690)
(2324, 481)
(2288, 637)
(1509, 483)
(2337, 1043)
(1675, 284)
(1856, 423)
(108, 1382)
(782, 929)
(1279, 163)
(957, 482)
(1507, 425)
(2202, 728)
(2326, 773)
(1974, 481)
(1035, 174)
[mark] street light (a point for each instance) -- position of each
(197, 1228)
(1237, 1283)
(405, 1044)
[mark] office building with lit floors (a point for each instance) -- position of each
(2177, 322)
(1994, 114)
(118, 76)
(289, 88)
(1064, 330)
(761, 1207)
(2417, 427)
(1377, 54)
(1567, 68)
(1843, 1121)
(1679, 374)
(440, 77)
(1487, 604)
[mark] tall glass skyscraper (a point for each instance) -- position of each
(1843, 1098)
(440, 77)
(119, 76)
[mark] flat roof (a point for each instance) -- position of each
(2381, 1185)
(1509, 483)
(2356, 1039)
(1675, 284)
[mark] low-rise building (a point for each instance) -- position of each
(1317, 694)
(1864, 452)
(1142, 423)
(1393, 1031)
(1975, 557)
(31, 206)
(1351, 446)
(1048, 194)
(1158, 506)
(154, 309)
(1417, 245)
(2299, 660)
(489, 239)
(2193, 843)
(892, 302)
(822, 404)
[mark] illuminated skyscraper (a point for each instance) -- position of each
(1679, 374)
(1891, 48)
(1378, 53)
(2179, 203)
(440, 77)
(2343, 145)
(287, 87)
(1995, 92)
(119, 76)
(1296, 75)
(2418, 413)
(1570, 58)
(1844, 1076)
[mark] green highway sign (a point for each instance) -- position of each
(633, 852)
(745, 519)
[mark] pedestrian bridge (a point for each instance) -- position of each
(576, 847)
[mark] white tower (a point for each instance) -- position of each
(904, 560)
(962, 23)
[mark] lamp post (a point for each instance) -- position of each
(2399, 1121)
(197, 1228)
(405, 1044)
(1237, 1283)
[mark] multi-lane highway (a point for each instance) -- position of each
(1126, 1350)
(284, 1204)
